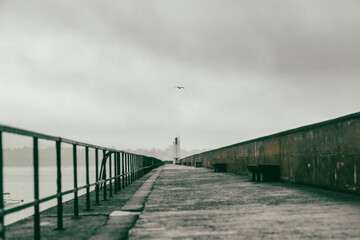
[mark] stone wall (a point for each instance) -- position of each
(325, 154)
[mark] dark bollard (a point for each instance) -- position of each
(198, 164)
(264, 172)
(219, 167)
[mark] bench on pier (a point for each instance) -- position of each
(198, 164)
(189, 163)
(219, 167)
(264, 172)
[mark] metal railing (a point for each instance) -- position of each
(124, 168)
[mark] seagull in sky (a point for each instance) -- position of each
(178, 87)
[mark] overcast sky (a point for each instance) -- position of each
(104, 72)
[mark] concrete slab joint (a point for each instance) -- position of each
(120, 222)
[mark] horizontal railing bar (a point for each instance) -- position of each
(42, 200)
(73, 142)
(113, 178)
(18, 208)
(19, 131)
(48, 198)
(85, 186)
(80, 188)
(82, 144)
(67, 192)
(31, 204)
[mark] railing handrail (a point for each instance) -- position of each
(127, 168)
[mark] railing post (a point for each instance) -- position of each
(143, 165)
(36, 188)
(110, 174)
(118, 171)
(59, 198)
(127, 169)
(136, 167)
(123, 169)
(2, 224)
(115, 173)
(87, 179)
(133, 168)
(130, 168)
(97, 197)
(76, 199)
(104, 175)
(140, 166)
(143, 172)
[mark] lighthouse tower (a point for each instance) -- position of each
(176, 150)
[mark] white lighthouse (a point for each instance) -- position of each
(176, 150)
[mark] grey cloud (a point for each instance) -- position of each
(112, 66)
(294, 38)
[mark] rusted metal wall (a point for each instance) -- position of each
(325, 154)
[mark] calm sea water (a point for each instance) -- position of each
(19, 182)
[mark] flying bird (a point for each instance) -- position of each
(178, 87)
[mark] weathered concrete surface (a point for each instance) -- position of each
(136, 203)
(90, 222)
(325, 154)
(196, 203)
(120, 222)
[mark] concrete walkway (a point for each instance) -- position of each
(179, 202)
(196, 203)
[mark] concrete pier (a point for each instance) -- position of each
(180, 202)
(196, 203)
